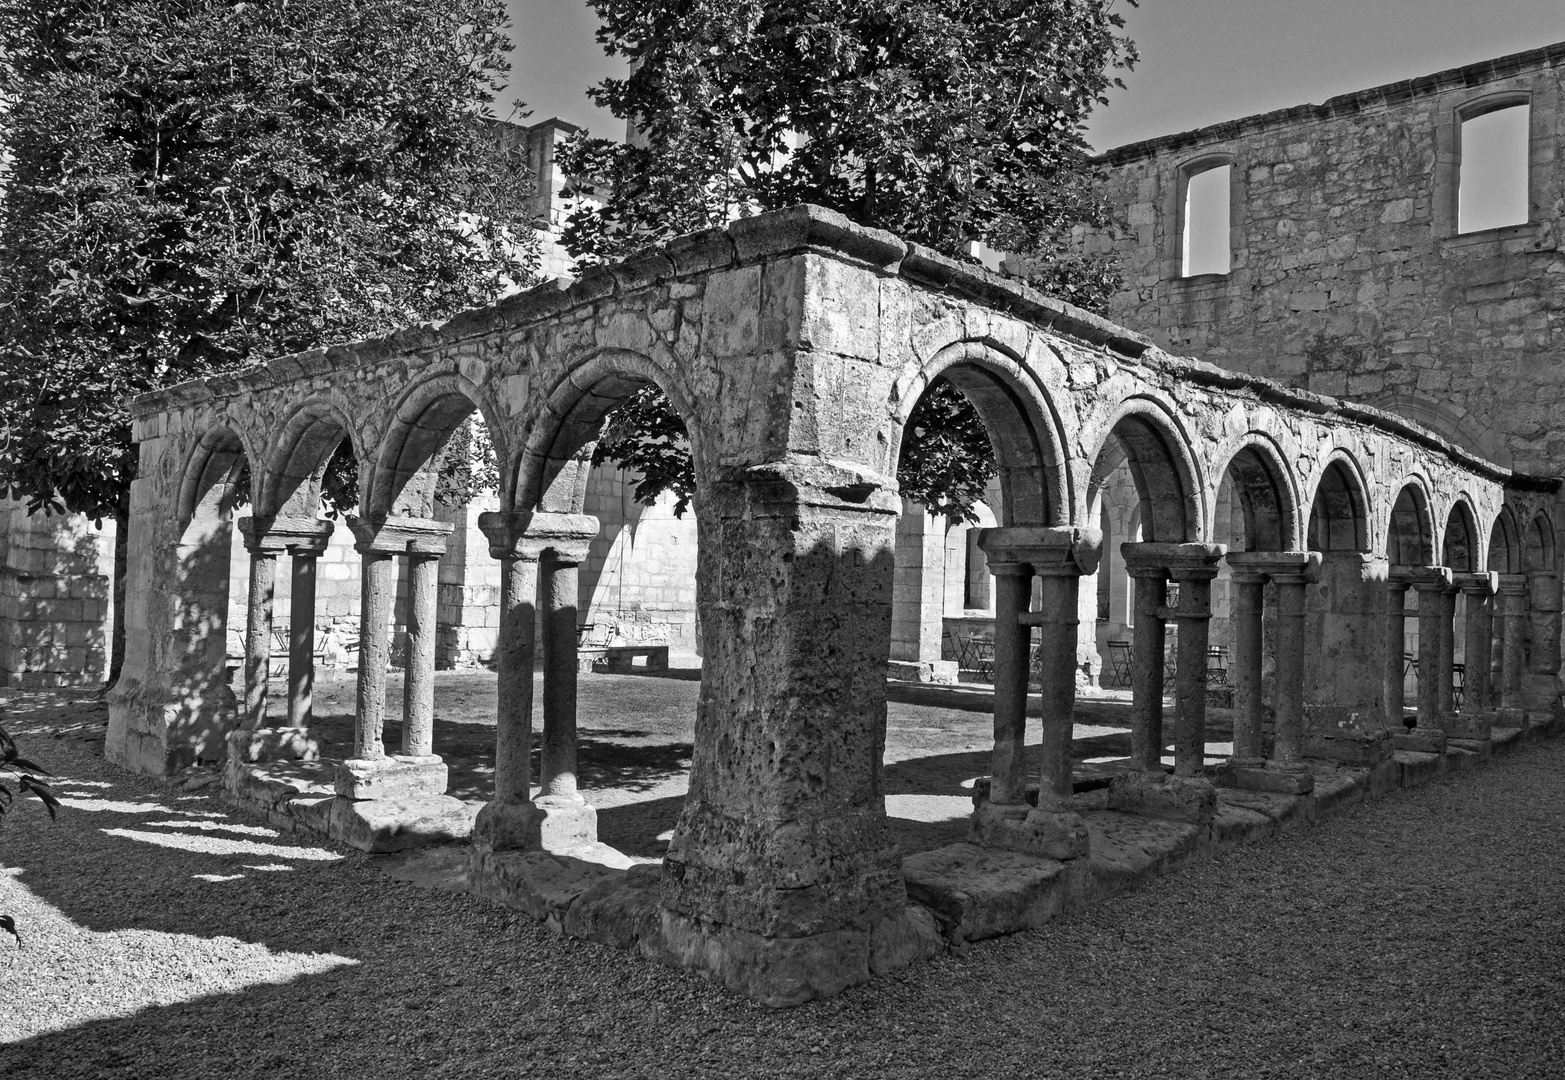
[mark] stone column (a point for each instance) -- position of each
(1446, 687)
(370, 773)
(1513, 599)
(303, 539)
(1432, 583)
(1475, 720)
(418, 683)
(1395, 694)
(1058, 557)
(1194, 615)
(1291, 572)
(1012, 596)
(571, 821)
(301, 636)
(511, 820)
(258, 629)
(1543, 659)
(782, 874)
(1146, 669)
(1187, 795)
(1245, 670)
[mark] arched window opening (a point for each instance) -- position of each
(1204, 248)
(1492, 173)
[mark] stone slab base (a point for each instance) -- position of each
(273, 744)
(941, 672)
(1176, 798)
(300, 796)
(598, 894)
(1299, 781)
(1458, 725)
(1481, 747)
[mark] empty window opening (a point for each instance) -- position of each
(1492, 176)
(975, 591)
(1206, 223)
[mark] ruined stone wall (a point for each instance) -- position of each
(56, 598)
(1348, 276)
(638, 585)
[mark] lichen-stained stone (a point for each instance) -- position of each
(795, 346)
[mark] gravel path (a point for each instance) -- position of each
(1417, 936)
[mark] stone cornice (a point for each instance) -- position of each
(811, 229)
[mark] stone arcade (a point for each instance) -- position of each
(795, 345)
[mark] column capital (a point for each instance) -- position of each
(1050, 551)
(1290, 567)
(526, 535)
(1174, 558)
(1422, 578)
(399, 535)
(273, 536)
(1513, 584)
(1480, 584)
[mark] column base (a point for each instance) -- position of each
(391, 777)
(1270, 776)
(1422, 740)
(942, 672)
(1054, 834)
(507, 826)
(1467, 725)
(1516, 718)
(785, 971)
(1175, 798)
(272, 744)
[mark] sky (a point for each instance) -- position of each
(1202, 61)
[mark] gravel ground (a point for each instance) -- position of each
(1417, 936)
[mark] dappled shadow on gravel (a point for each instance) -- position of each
(1411, 937)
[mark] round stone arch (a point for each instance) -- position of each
(1268, 495)
(1505, 542)
(1411, 536)
(1012, 400)
(1340, 518)
(550, 471)
(421, 421)
(1461, 547)
(1166, 472)
(1538, 550)
(300, 451)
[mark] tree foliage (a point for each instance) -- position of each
(948, 122)
(192, 185)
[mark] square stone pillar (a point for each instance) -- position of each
(782, 876)
(1542, 693)
(1396, 655)
(303, 539)
(1514, 592)
(1058, 557)
(1290, 573)
(1187, 795)
(371, 773)
(1475, 719)
(1446, 687)
(1346, 671)
(511, 819)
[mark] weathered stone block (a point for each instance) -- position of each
(392, 777)
(776, 971)
(272, 744)
(1270, 777)
(1176, 798)
(399, 823)
(977, 892)
(1058, 835)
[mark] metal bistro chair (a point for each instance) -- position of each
(1119, 662)
(981, 651)
(1458, 684)
(1218, 692)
